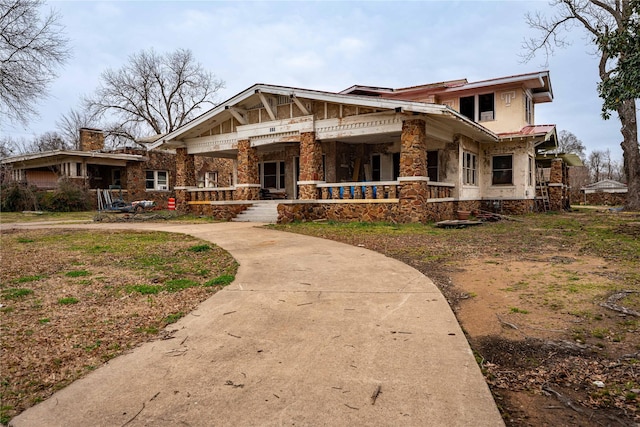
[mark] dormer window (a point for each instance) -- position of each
(479, 108)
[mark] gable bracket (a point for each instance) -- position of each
(266, 105)
(300, 105)
(238, 114)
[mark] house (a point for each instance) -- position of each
(605, 192)
(408, 155)
(143, 175)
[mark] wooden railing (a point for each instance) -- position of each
(358, 190)
(212, 194)
(440, 190)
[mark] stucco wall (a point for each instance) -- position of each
(520, 188)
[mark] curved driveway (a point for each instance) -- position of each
(308, 332)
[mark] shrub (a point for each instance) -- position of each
(68, 197)
(16, 197)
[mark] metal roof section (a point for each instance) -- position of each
(546, 136)
(538, 82)
(252, 95)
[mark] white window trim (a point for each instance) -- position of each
(476, 107)
(211, 179)
(279, 173)
(511, 184)
(156, 185)
(473, 169)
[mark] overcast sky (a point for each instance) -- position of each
(329, 46)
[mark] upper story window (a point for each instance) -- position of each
(156, 180)
(528, 109)
(502, 170)
(479, 108)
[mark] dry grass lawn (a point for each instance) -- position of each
(72, 300)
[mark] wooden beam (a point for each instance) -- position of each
(300, 105)
(266, 105)
(238, 113)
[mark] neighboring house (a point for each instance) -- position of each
(605, 192)
(406, 155)
(141, 174)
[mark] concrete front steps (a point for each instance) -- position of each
(260, 211)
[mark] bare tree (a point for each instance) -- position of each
(595, 164)
(70, 123)
(7, 147)
(601, 19)
(569, 143)
(153, 94)
(48, 141)
(31, 47)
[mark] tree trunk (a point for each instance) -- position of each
(630, 152)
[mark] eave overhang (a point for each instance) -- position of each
(229, 109)
(58, 156)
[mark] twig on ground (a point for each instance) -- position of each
(563, 399)
(134, 417)
(511, 325)
(375, 394)
(610, 303)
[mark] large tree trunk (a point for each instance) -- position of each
(631, 152)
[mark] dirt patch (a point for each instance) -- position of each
(528, 295)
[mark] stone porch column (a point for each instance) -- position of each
(248, 184)
(185, 177)
(556, 185)
(310, 166)
(413, 179)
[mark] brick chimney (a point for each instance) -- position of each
(91, 139)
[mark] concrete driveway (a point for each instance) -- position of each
(309, 331)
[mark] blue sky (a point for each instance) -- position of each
(329, 46)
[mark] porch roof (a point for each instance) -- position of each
(48, 158)
(544, 136)
(224, 111)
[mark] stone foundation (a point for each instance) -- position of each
(508, 207)
(365, 212)
(220, 212)
(605, 199)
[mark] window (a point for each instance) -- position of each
(116, 177)
(375, 167)
(432, 165)
(157, 180)
(528, 109)
(486, 107)
(469, 169)
(211, 179)
(532, 167)
(468, 107)
(502, 170)
(272, 175)
(479, 108)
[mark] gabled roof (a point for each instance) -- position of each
(249, 96)
(605, 184)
